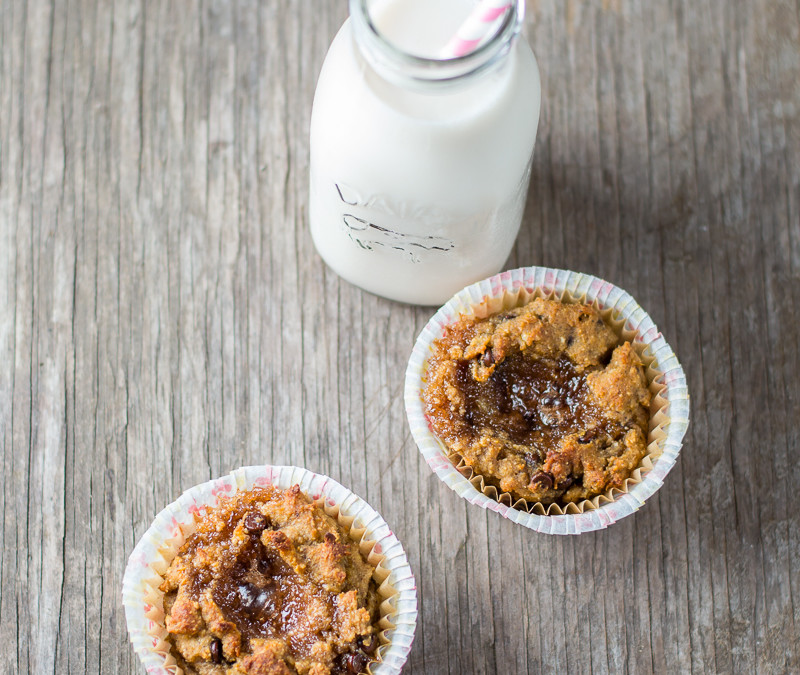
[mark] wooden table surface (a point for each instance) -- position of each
(164, 318)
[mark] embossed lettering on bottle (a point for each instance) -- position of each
(419, 167)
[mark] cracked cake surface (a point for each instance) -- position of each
(269, 584)
(544, 401)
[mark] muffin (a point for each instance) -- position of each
(544, 401)
(540, 459)
(270, 569)
(269, 583)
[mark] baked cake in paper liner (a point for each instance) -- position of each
(669, 411)
(152, 555)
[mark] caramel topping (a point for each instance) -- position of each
(262, 596)
(534, 402)
(258, 591)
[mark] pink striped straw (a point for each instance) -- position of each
(475, 28)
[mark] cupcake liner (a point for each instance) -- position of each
(669, 411)
(150, 559)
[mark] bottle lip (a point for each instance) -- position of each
(404, 68)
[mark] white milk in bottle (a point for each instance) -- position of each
(420, 164)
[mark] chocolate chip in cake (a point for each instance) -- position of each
(488, 358)
(542, 480)
(567, 482)
(255, 522)
(368, 643)
(355, 662)
(216, 650)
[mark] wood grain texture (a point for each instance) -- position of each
(164, 318)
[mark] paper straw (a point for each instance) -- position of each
(475, 28)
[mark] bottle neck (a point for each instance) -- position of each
(418, 72)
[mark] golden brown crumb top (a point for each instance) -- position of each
(269, 584)
(542, 401)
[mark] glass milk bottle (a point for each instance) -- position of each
(420, 164)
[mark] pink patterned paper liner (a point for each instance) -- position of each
(151, 556)
(670, 420)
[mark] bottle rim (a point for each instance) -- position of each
(403, 67)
